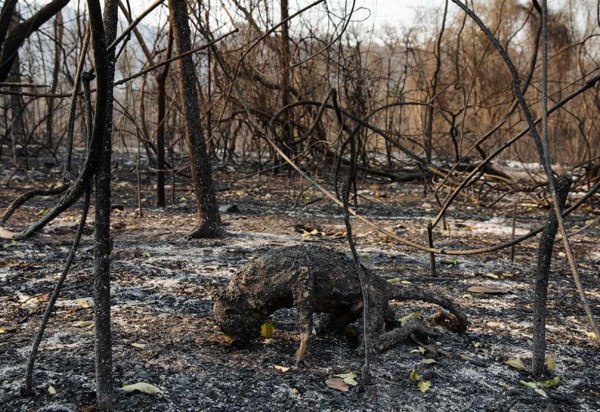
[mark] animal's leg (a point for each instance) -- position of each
(339, 320)
(390, 318)
(303, 294)
(305, 320)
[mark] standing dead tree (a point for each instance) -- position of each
(209, 220)
(103, 33)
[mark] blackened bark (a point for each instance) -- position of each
(6, 14)
(209, 220)
(563, 183)
(286, 79)
(103, 33)
(161, 81)
(17, 35)
(58, 34)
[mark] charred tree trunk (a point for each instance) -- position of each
(161, 81)
(58, 33)
(209, 219)
(540, 310)
(18, 132)
(6, 14)
(286, 82)
(103, 33)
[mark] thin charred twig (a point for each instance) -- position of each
(410, 243)
(512, 232)
(73, 106)
(450, 198)
(21, 200)
(134, 24)
(347, 21)
(175, 58)
(361, 275)
(542, 148)
(432, 268)
(256, 43)
(133, 76)
(509, 113)
(28, 85)
(52, 301)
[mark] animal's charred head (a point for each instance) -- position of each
(237, 319)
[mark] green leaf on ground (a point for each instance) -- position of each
(532, 385)
(411, 315)
(551, 383)
(551, 363)
(414, 376)
(424, 386)
(267, 329)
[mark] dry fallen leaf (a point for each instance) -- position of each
(338, 384)
(281, 368)
(348, 378)
(142, 387)
(83, 323)
(428, 361)
(488, 290)
(551, 363)
(516, 363)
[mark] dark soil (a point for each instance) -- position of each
(162, 286)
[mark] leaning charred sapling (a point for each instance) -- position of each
(319, 280)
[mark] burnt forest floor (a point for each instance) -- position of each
(162, 288)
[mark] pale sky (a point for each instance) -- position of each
(394, 12)
(391, 12)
